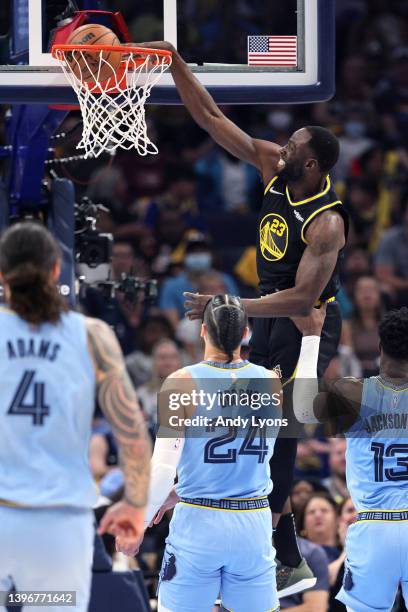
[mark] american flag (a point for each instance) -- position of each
(272, 51)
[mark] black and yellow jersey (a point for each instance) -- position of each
(281, 240)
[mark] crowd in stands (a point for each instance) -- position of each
(188, 218)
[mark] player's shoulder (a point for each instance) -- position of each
(101, 337)
(95, 326)
(181, 373)
(347, 387)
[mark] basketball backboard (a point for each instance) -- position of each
(244, 51)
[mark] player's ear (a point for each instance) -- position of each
(311, 164)
(56, 270)
(247, 333)
(203, 331)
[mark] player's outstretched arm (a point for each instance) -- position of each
(339, 404)
(118, 401)
(262, 154)
(325, 238)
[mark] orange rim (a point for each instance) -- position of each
(124, 49)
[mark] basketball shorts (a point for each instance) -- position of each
(47, 550)
(210, 551)
(377, 562)
(276, 343)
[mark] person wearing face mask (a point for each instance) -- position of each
(353, 142)
(198, 260)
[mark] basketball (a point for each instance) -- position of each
(99, 66)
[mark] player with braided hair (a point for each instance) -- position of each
(220, 538)
(224, 321)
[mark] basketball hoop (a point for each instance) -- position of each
(113, 111)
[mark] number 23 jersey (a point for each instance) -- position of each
(282, 235)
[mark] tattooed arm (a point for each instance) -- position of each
(119, 403)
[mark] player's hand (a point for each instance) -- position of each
(126, 547)
(312, 324)
(195, 304)
(168, 504)
(125, 522)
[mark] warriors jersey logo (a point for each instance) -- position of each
(273, 237)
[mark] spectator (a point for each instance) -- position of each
(316, 598)
(166, 359)
(362, 200)
(197, 260)
(226, 183)
(318, 522)
(139, 362)
(336, 482)
(188, 332)
(353, 143)
(121, 314)
(391, 259)
(180, 195)
(103, 450)
(357, 263)
(302, 491)
(123, 259)
(360, 332)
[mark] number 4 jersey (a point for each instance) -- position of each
(377, 448)
(230, 461)
(47, 395)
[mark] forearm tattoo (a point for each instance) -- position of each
(118, 401)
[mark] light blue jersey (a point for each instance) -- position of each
(47, 394)
(377, 478)
(377, 448)
(227, 461)
(220, 537)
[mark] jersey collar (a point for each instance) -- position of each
(226, 366)
(318, 195)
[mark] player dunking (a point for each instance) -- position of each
(220, 538)
(302, 230)
(52, 364)
(373, 414)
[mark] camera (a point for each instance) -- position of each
(91, 247)
(132, 288)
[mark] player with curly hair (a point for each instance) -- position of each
(373, 414)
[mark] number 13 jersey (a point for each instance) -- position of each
(377, 448)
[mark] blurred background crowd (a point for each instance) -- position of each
(188, 218)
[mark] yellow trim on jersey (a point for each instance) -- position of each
(328, 301)
(381, 510)
(395, 391)
(6, 309)
(229, 609)
(318, 195)
(10, 504)
(316, 212)
(223, 509)
(226, 369)
(382, 521)
(269, 185)
(245, 498)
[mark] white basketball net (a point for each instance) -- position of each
(113, 120)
